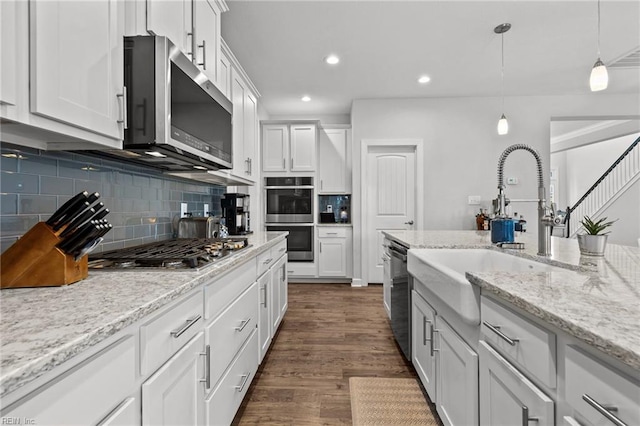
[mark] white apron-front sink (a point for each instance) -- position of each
(442, 272)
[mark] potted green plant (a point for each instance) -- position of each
(595, 240)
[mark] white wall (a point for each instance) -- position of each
(580, 167)
(462, 148)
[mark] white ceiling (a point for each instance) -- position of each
(385, 46)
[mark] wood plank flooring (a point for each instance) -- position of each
(331, 332)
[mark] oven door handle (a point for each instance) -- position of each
(290, 187)
(287, 224)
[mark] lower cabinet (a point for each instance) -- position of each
(280, 299)
(386, 280)
(225, 399)
(334, 252)
(507, 397)
(423, 354)
(456, 377)
(264, 319)
(273, 300)
(88, 393)
(174, 395)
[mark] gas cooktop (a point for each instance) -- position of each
(178, 254)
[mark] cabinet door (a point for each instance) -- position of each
(174, 395)
(8, 52)
(250, 133)
(238, 97)
(280, 269)
(275, 299)
(126, 414)
(264, 321)
(507, 397)
(386, 284)
(172, 19)
(75, 79)
(423, 317)
(456, 377)
(206, 31)
(303, 147)
(224, 75)
(332, 166)
(332, 260)
(275, 140)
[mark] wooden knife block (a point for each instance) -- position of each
(35, 261)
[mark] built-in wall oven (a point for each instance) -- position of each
(289, 207)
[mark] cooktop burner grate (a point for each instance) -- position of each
(182, 253)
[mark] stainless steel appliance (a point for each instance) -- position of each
(176, 118)
(179, 254)
(299, 241)
(289, 199)
(235, 211)
(401, 286)
(198, 227)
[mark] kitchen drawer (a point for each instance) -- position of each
(279, 249)
(225, 400)
(265, 260)
(533, 348)
(230, 331)
(324, 232)
(85, 394)
(224, 290)
(589, 379)
(164, 335)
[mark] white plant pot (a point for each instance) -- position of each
(592, 245)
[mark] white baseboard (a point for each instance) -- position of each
(357, 282)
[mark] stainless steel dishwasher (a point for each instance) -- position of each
(401, 286)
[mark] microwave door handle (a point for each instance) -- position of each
(143, 108)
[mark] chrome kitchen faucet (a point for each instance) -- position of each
(546, 215)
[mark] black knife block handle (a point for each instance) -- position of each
(35, 261)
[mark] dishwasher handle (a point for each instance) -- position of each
(397, 254)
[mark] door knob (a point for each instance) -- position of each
(409, 223)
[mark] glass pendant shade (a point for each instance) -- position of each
(599, 79)
(503, 125)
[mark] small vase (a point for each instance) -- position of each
(592, 245)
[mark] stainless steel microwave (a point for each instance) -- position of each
(177, 119)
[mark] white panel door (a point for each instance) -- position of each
(275, 299)
(206, 27)
(174, 395)
(332, 260)
(332, 167)
(264, 322)
(8, 50)
(172, 19)
(423, 318)
(391, 199)
(275, 140)
(77, 79)
(456, 377)
(303, 147)
(238, 97)
(250, 134)
(283, 283)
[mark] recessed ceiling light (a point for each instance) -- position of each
(332, 59)
(306, 98)
(424, 79)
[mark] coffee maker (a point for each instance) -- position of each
(235, 211)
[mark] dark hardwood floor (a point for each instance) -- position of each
(331, 332)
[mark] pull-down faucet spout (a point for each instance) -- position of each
(545, 215)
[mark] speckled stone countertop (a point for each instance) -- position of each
(597, 300)
(44, 327)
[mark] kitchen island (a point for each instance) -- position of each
(46, 329)
(565, 335)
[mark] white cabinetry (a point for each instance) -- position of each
(334, 171)
(456, 377)
(280, 294)
(245, 127)
(172, 19)
(57, 81)
(335, 255)
(598, 394)
(507, 397)
(423, 353)
(87, 393)
(289, 147)
(174, 395)
(206, 37)
(264, 318)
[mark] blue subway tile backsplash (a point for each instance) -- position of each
(144, 204)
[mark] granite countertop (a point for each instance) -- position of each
(44, 327)
(596, 299)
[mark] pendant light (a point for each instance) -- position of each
(503, 124)
(599, 79)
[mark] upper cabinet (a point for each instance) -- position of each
(289, 147)
(61, 90)
(173, 19)
(334, 165)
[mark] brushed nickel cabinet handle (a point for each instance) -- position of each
(425, 321)
(496, 329)
(245, 379)
(291, 163)
(122, 97)
(605, 410)
(264, 287)
(190, 54)
(203, 64)
(284, 164)
(433, 349)
(243, 324)
(207, 366)
(190, 322)
(525, 416)
(268, 261)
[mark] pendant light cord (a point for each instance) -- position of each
(598, 29)
(502, 72)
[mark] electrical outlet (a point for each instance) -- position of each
(512, 181)
(206, 210)
(474, 200)
(183, 209)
